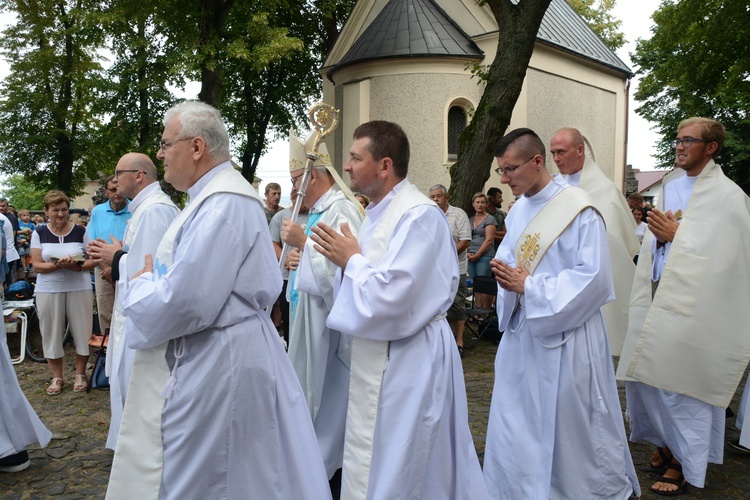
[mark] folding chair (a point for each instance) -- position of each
(487, 322)
(18, 309)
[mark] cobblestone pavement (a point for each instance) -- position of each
(76, 464)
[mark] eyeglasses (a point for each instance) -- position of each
(164, 145)
(687, 142)
(118, 172)
(295, 177)
(510, 170)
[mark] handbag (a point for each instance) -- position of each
(99, 379)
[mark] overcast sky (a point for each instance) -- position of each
(636, 23)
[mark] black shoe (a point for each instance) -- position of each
(15, 463)
(735, 443)
(461, 351)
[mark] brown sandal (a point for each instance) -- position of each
(55, 386)
(81, 384)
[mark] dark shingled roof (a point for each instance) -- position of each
(563, 28)
(411, 28)
(420, 28)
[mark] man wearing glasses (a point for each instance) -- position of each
(108, 220)
(555, 426)
(689, 332)
(214, 408)
(153, 212)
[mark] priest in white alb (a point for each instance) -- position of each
(153, 211)
(688, 342)
(407, 429)
(320, 355)
(569, 153)
(555, 426)
(214, 409)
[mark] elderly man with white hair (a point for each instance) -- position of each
(214, 409)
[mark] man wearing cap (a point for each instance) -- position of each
(320, 355)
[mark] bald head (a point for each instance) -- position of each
(135, 171)
(568, 150)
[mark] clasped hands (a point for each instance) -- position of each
(509, 278)
(663, 225)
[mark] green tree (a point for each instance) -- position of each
(22, 194)
(698, 65)
(597, 15)
(269, 99)
(137, 91)
(46, 118)
(518, 24)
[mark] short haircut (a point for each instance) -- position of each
(387, 140)
(107, 180)
(55, 197)
(478, 195)
(637, 209)
(436, 187)
(711, 130)
(3, 200)
(575, 135)
(493, 191)
(522, 140)
(272, 185)
(636, 197)
(23, 211)
(199, 119)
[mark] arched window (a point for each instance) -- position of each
(456, 125)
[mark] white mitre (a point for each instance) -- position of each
(298, 160)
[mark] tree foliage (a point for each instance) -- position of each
(697, 63)
(518, 24)
(46, 117)
(597, 15)
(91, 79)
(270, 96)
(22, 194)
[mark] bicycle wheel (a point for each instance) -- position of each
(34, 340)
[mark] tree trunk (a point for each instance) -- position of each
(518, 26)
(213, 17)
(144, 118)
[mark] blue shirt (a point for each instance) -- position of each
(105, 222)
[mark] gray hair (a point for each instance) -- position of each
(199, 119)
(438, 186)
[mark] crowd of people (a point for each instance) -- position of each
(367, 284)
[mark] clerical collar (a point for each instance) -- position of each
(574, 179)
(145, 193)
(196, 188)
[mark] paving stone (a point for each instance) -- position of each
(58, 452)
(76, 465)
(56, 488)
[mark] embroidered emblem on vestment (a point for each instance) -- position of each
(529, 250)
